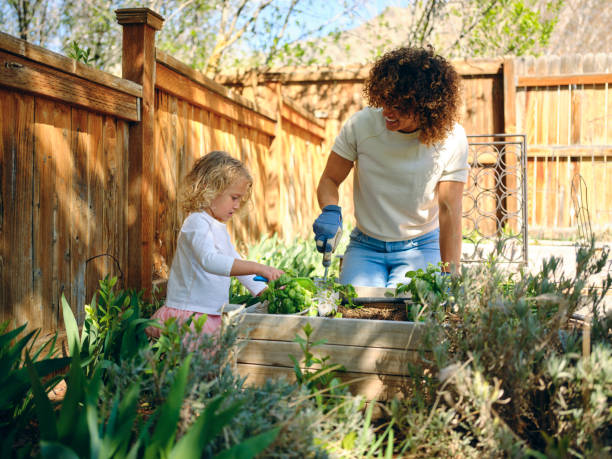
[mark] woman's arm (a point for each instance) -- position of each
(450, 198)
(336, 170)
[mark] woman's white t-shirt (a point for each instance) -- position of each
(396, 176)
(200, 274)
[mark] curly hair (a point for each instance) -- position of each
(209, 176)
(417, 81)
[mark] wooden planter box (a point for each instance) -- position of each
(374, 353)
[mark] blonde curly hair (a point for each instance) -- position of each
(416, 80)
(209, 176)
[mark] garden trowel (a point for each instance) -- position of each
(330, 244)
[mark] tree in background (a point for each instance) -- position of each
(218, 35)
(31, 20)
(457, 29)
(500, 27)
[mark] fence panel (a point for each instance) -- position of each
(565, 108)
(63, 201)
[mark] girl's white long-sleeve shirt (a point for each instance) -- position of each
(200, 274)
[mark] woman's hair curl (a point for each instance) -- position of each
(417, 81)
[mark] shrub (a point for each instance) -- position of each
(493, 344)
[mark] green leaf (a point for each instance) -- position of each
(250, 447)
(169, 414)
(70, 413)
(208, 425)
(44, 410)
(119, 425)
(72, 329)
(52, 450)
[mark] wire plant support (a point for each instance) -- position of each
(580, 202)
(495, 199)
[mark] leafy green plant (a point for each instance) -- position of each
(113, 329)
(425, 288)
(485, 386)
(80, 54)
(319, 376)
(299, 258)
(78, 430)
(16, 409)
(288, 295)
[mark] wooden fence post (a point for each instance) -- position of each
(511, 161)
(138, 65)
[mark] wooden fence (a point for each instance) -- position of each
(563, 105)
(63, 152)
(90, 165)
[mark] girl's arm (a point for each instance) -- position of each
(246, 267)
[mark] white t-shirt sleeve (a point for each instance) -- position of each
(345, 144)
(457, 166)
(204, 250)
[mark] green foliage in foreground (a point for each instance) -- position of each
(16, 406)
(178, 396)
(506, 376)
(507, 373)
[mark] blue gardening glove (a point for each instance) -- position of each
(326, 226)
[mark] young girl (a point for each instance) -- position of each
(216, 188)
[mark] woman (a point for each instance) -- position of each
(411, 163)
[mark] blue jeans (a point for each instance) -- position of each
(370, 262)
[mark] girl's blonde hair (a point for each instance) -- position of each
(209, 176)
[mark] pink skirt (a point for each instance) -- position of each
(211, 326)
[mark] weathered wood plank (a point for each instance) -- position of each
(123, 135)
(111, 228)
(181, 86)
(65, 64)
(557, 80)
(371, 333)
(361, 359)
(97, 267)
(16, 187)
(32, 77)
(80, 221)
(52, 228)
(370, 386)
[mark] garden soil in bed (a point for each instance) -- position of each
(375, 311)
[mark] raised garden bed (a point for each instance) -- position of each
(373, 352)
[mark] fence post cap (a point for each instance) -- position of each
(139, 16)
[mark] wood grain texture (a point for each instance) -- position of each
(361, 359)
(64, 64)
(138, 65)
(187, 89)
(16, 207)
(370, 333)
(29, 76)
(370, 386)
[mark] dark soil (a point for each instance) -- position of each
(377, 311)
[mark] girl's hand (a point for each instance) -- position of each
(270, 273)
